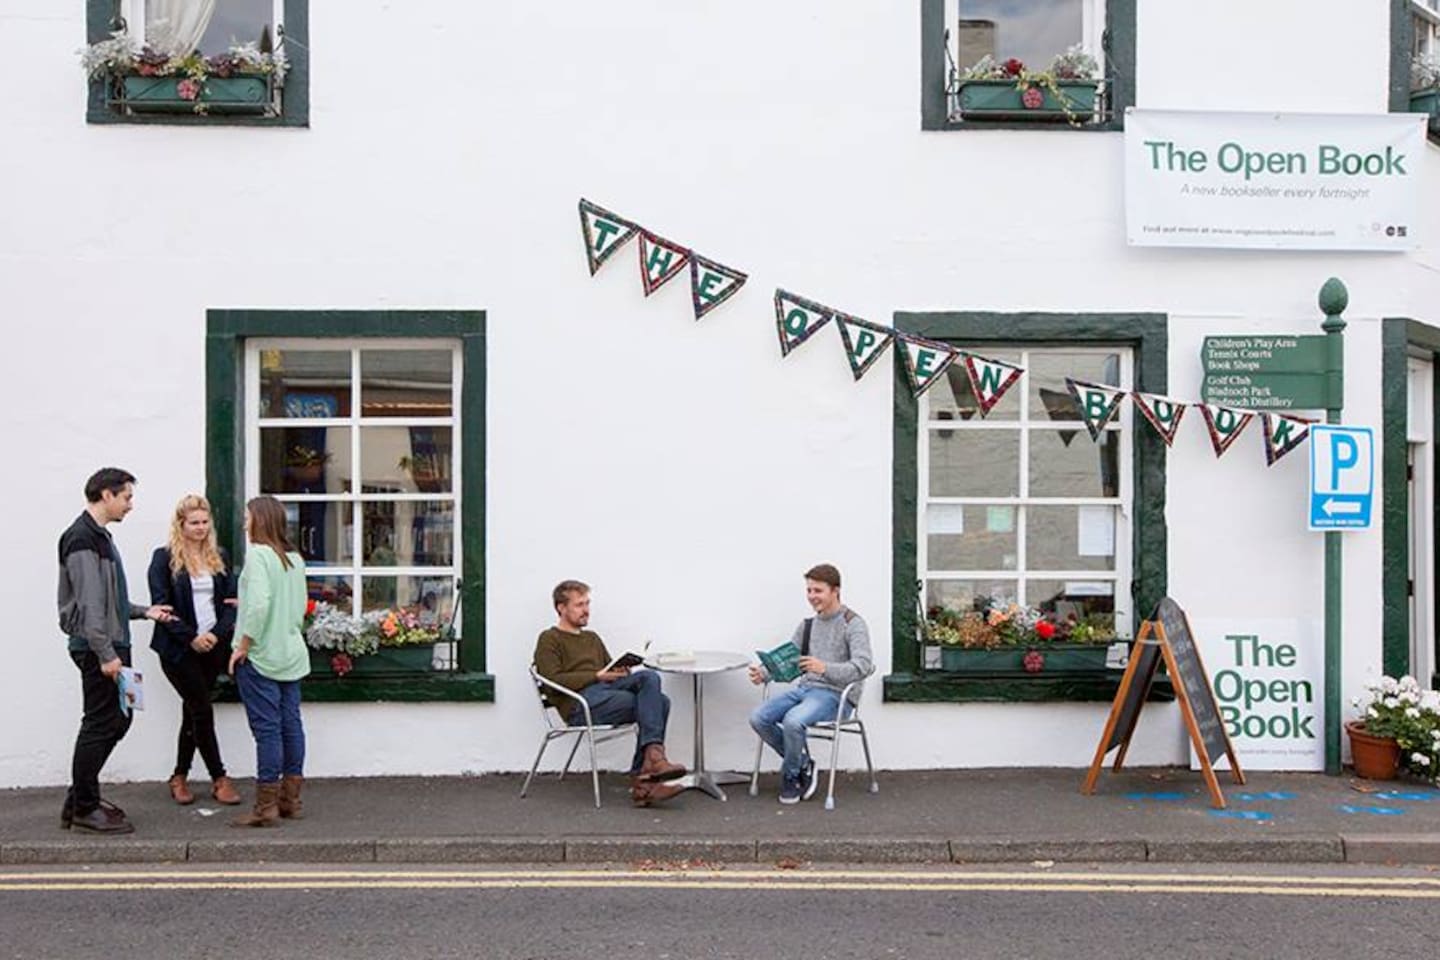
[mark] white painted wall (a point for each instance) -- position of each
(684, 469)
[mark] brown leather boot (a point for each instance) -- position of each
(180, 790)
(657, 766)
(643, 793)
(224, 792)
(290, 806)
(267, 808)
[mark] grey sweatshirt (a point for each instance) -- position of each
(842, 640)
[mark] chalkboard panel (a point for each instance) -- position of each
(1145, 655)
(1192, 678)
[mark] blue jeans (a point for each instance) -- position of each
(633, 699)
(273, 709)
(781, 722)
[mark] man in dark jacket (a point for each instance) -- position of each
(95, 614)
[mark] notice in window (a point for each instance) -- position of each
(1096, 533)
(945, 518)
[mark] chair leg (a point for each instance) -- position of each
(571, 759)
(755, 770)
(834, 762)
(869, 767)
(594, 767)
(545, 742)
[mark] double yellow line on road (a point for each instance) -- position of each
(937, 880)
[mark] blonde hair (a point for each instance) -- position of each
(209, 553)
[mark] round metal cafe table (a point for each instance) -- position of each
(698, 665)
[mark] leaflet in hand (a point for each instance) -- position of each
(782, 663)
(132, 690)
(628, 660)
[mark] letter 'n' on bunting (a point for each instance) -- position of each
(864, 342)
(1163, 413)
(1224, 424)
(1283, 433)
(660, 261)
(797, 319)
(989, 379)
(1098, 403)
(924, 360)
(604, 232)
(711, 284)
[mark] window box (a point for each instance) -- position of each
(387, 660)
(1007, 100)
(219, 95)
(1058, 658)
(1428, 101)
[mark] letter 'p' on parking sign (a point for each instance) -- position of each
(1342, 477)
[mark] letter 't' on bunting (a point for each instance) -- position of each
(796, 319)
(1163, 413)
(924, 361)
(1098, 403)
(1224, 424)
(1282, 434)
(604, 233)
(711, 284)
(989, 379)
(660, 261)
(864, 342)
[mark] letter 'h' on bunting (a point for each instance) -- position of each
(1163, 413)
(604, 233)
(1283, 433)
(660, 261)
(796, 319)
(1097, 402)
(864, 342)
(924, 361)
(1224, 424)
(989, 379)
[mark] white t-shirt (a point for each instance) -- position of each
(203, 587)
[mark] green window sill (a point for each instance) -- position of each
(936, 687)
(426, 688)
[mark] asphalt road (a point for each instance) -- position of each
(681, 911)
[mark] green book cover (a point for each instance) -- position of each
(782, 663)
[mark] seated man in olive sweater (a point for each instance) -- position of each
(576, 658)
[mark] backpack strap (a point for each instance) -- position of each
(849, 614)
(805, 637)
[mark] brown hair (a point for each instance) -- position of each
(267, 526)
(824, 573)
(179, 550)
(561, 594)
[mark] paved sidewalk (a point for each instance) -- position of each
(918, 816)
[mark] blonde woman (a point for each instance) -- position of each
(269, 660)
(192, 575)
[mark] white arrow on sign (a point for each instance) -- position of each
(1332, 507)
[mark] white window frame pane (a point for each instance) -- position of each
(134, 13)
(1092, 30)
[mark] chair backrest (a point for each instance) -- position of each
(552, 716)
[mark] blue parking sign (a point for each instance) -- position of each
(1342, 477)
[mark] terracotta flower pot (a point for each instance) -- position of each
(1376, 758)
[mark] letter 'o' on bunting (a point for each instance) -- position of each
(797, 319)
(1224, 424)
(711, 284)
(604, 233)
(989, 379)
(864, 342)
(660, 261)
(1098, 403)
(1283, 433)
(1163, 413)
(924, 361)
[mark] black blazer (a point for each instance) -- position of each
(172, 640)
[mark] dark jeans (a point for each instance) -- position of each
(273, 709)
(633, 699)
(101, 727)
(193, 678)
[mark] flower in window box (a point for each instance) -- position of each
(240, 80)
(188, 89)
(1033, 661)
(1008, 90)
(1033, 98)
(1425, 88)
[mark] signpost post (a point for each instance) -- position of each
(1334, 298)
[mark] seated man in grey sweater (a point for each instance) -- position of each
(834, 651)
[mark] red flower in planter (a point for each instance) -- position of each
(1013, 67)
(1034, 661)
(1033, 98)
(1045, 630)
(341, 664)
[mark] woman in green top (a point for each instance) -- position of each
(268, 661)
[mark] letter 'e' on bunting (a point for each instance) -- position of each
(989, 379)
(1224, 424)
(711, 284)
(864, 342)
(1163, 413)
(924, 361)
(1098, 403)
(660, 261)
(1282, 434)
(796, 319)
(604, 233)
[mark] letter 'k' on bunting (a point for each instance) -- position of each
(1098, 403)
(604, 233)
(1283, 433)
(1224, 424)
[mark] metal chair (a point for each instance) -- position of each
(825, 730)
(557, 727)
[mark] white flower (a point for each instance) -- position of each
(1389, 685)
(1420, 758)
(1412, 713)
(1372, 712)
(1391, 702)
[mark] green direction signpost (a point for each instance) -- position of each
(1265, 372)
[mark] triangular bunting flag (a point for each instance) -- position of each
(1224, 424)
(1283, 433)
(660, 261)
(1163, 413)
(796, 319)
(1097, 402)
(990, 379)
(604, 233)
(711, 284)
(924, 361)
(864, 342)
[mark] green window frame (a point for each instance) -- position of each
(225, 348)
(1145, 334)
(100, 19)
(1402, 43)
(1119, 48)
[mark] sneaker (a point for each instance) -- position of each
(790, 790)
(810, 777)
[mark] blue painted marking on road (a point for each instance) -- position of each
(1272, 795)
(1374, 811)
(1397, 795)
(1157, 795)
(1242, 814)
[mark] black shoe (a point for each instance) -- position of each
(101, 820)
(810, 777)
(111, 810)
(67, 816)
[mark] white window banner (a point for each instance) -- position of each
(1273, 180)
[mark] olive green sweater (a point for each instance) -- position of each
(569, 659)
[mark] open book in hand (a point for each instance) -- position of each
(782, 663)
(629, 659)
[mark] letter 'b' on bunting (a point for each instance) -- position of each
(989, 379)
(924, 361)
(1224, 424)
(711, 284)
(604, 233)
(1097, 402)
(864, 342)
(1163, 413)
(796, 319)
(1282, 434)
